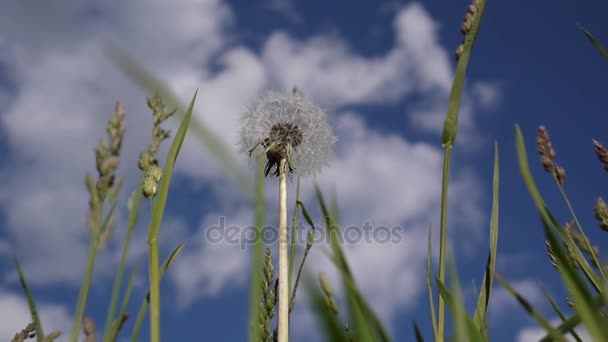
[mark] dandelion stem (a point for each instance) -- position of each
(283, 316)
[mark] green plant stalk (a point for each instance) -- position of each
(154, 286)
(158, 210)
(84, 289)
(443, 242)
(116, 325)
(257, 257)
(144, 306)
(283, 316)
(30, 301)
(429, 285)
(136, 196)
(294, 228)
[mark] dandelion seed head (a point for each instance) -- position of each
(288, 126)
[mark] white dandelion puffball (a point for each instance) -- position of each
(288, 126)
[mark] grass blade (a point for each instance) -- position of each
(117, 323)
(483, 301)
(418, 333)
(559, 313)
(594, 41)
(30, 301)
(543, 322)
(294, 227)
(450, 128)
(429, 285)
(158, 210)
(257, 256)
(146, 80)
(582, 298)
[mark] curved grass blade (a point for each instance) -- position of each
(327, 319)
(543, 322)
(594, 41)
(548, 218)
(571, 323)
(294, 228)
(158, 210)
(365, 320)
(559, 313)
(30, 301)
(582, 298)
(483, 301)
(418, 333)
(146, 80)
(257, 256)
(144, 306)
(463, 323)
(450, 128)
(309, 243)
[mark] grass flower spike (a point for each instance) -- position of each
(295, 137)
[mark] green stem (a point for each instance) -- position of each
(294, 229)
(443, 239)
(154, 290)
(116, 288)
(84, 289)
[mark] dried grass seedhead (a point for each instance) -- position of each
(467, 25)
(602, 154)
(601, 213)
(287, 126)
(547, 155)
(107, 160)
(28, 332)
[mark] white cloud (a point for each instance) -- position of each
(15, 315)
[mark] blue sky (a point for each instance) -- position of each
(382, 70)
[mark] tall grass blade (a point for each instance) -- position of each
(594, 41)
(30, 301)
(158, 210)
(365, 320)
(582, 298)
(257, 256)
(542, 321)
(448, 138)
(146, 80)
(483, 300)
(429, 284)
(559, 312)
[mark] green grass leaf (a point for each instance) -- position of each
(582, 298)
(218, 149)
(257, 256)
(542, 321)
(158, 210)
(30, 301)
(483, 300)
(594, 41)
(144, 306)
